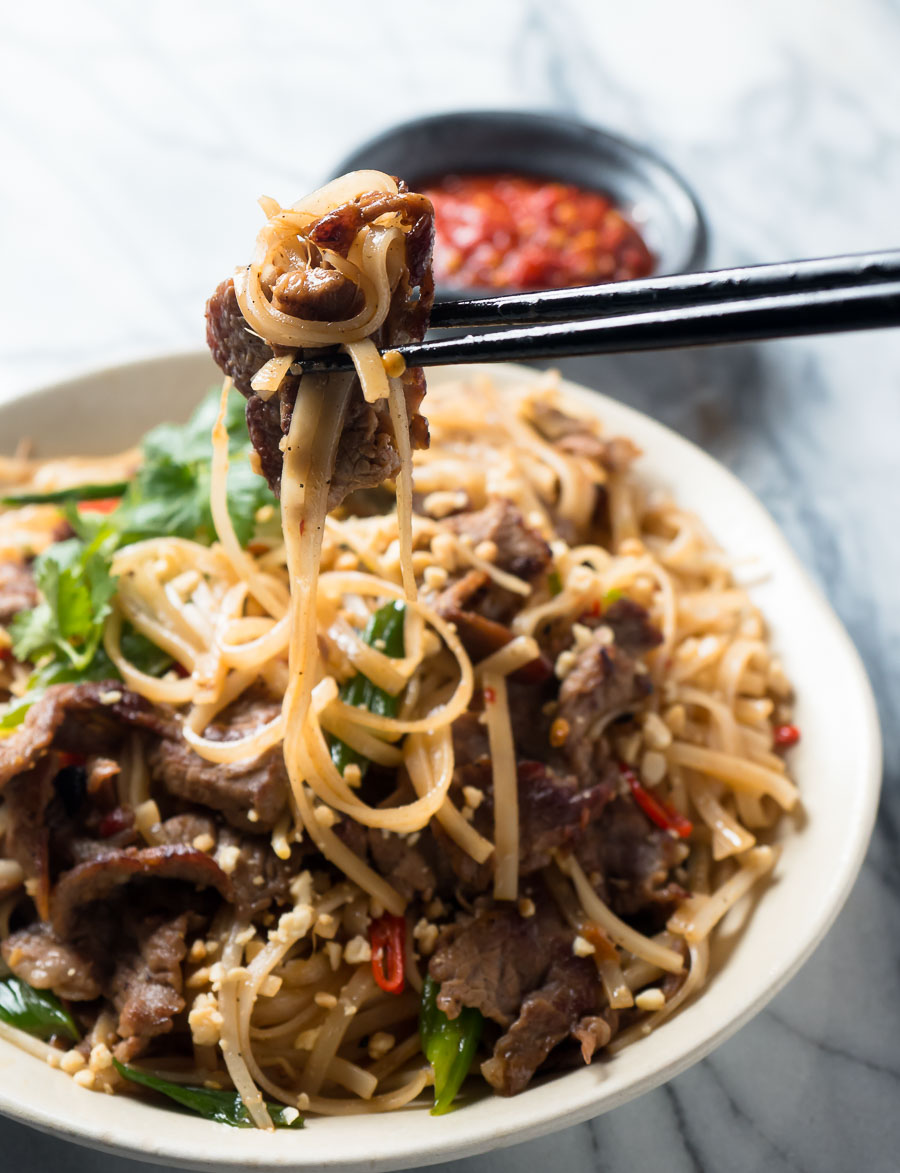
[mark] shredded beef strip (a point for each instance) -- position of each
(367, 454)
(27, 838)
(117, 929)
(520, 549)
(630, 861)
(556, 1010)
(554, 811)
(99, 879)
(258, 877)
(420, 870)
(42, 960)
(481, 610)
(492, 962)
(480, 636)
(520, 973)
(146, 984)
(251, 793)
(577, 436)
(77, 719)
(605, 678)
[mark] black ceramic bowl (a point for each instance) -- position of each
(653, 196)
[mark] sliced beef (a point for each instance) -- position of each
(118, 929)
(367, 454)
(554, 811)
(27, 838)
(479, 607)
(417, 869)
(604, 680)
(520, 972)
(100, 879)
(18, 591)
(234, 346)
(456, 599)
(520, 549)
(496, 959)
(186, 828)
(632, 861)
(548, 1015)
(257, 786)
(480, 636)
(146, 983)
(37, 956)
(79, 719)
(632, 628)
(580, 438)
(259, 877)
(263, 427)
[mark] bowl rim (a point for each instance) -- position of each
(141, 1132)
(695, 250)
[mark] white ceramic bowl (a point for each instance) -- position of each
(837, 766)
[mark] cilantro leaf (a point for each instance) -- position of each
(138, 650)
(76, 585)
(170, 494)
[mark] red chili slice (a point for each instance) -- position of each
(100, 505)
(387, 936)
(71, 759)
(117, 820)
(663, 814)
(785, 736)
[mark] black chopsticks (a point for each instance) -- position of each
(828, 295)
(594, 301)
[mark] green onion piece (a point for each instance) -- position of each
(449, 1045)
(554, 582)
(37, 1012)
(385, 630)
(223, 1107)
(76, 493)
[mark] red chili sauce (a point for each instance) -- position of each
(517, 232)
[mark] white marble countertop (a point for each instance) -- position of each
(133, 137)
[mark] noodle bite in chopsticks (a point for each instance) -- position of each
(442, 759)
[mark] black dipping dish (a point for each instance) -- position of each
(648, 191)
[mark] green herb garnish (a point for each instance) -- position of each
(223, 1107)
(38, 1012)
(74, 579)
(102, 492)
(384, 631)
(449, 1045)
(170, 493)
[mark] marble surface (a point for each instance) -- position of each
(134, 140)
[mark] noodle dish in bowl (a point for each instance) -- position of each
(371, 748)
